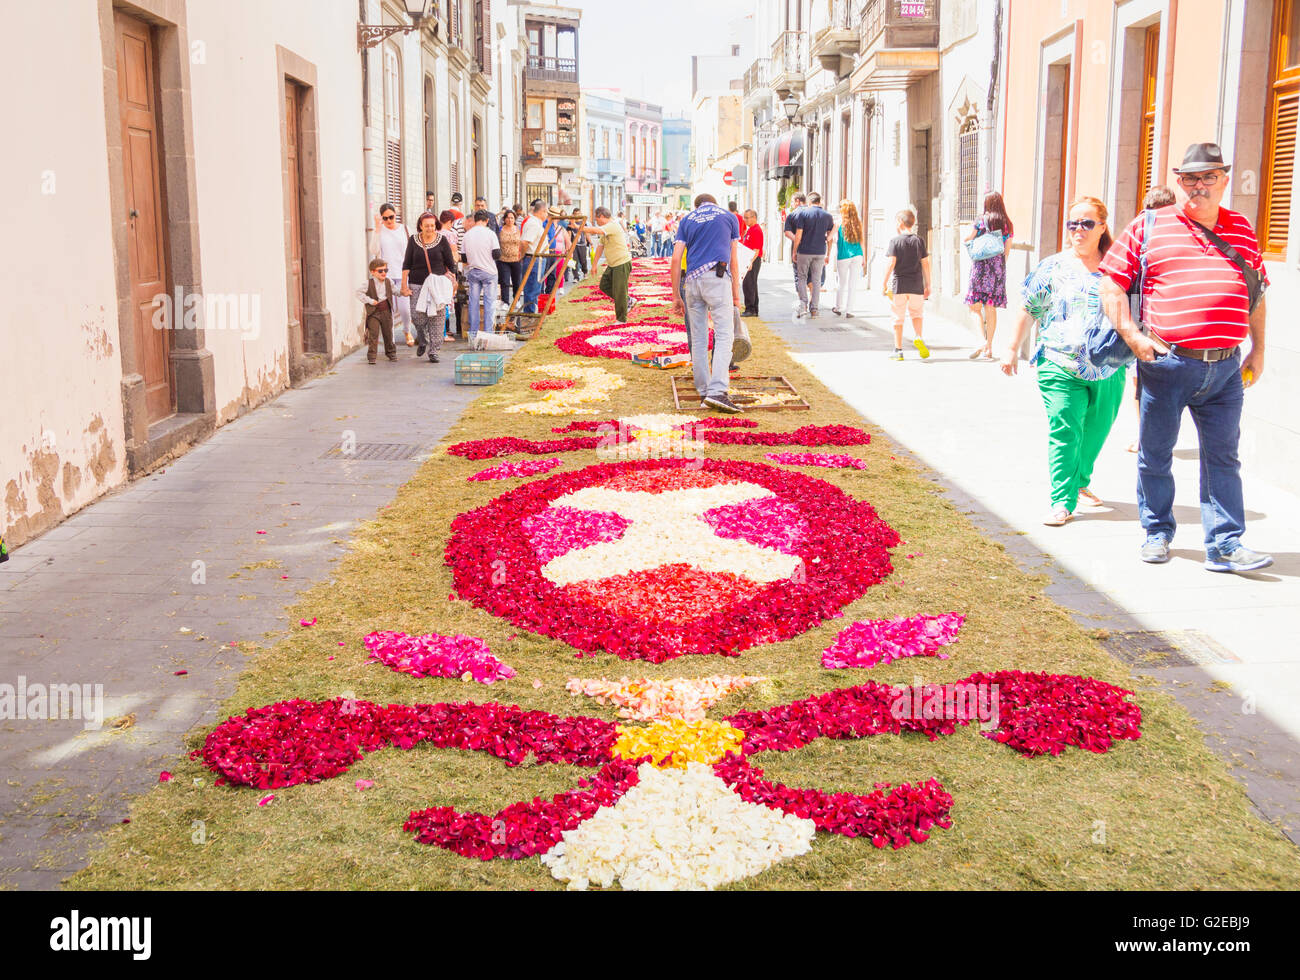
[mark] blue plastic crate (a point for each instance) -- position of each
(480, 368)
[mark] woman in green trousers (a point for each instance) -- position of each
(1063, 298)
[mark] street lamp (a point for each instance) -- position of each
(369, 35)
(790, 105)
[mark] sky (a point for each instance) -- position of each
(644, 47)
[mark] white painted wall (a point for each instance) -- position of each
(60, 363)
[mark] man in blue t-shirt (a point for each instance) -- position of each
(812, 249)
(708, 237)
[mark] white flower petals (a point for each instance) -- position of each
(677, 830)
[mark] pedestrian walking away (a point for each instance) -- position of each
(429, 278)
(850, 262)
(1063, 296)
(388, 242)
(482, 250)
(379, 298)
(812, 250)
(1202, 296)
(752, 239)
(790, 229)
(986, 292)
(907, 281)
(613, 247)
(708, 239)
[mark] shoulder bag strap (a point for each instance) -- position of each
(1249, 274)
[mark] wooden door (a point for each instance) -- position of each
(293, 216)
(1280, 131)
(146, 247)
(1147, 136)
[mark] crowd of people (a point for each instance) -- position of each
(450, 272)
(1179, 290)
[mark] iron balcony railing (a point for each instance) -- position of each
(544, 69)
(788, 56)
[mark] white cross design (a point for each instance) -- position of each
(668, 528)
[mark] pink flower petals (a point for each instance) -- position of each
(266, 799)
(559, 530)
(307, 622)
(365, 784)
(883, 641)
(828, 460)
(164, 777)
(511, 471)
(433, 655)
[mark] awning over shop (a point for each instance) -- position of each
(784, 157)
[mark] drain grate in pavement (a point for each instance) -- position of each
(833, 329)
(372, 451)
(1175, 648)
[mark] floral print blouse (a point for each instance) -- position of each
(1065, 299)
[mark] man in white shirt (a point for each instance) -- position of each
(530, 233)
(482, 248)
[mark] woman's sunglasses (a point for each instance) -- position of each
(390, 217)
(1083, 224)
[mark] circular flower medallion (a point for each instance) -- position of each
(655, 559)
(622, 341)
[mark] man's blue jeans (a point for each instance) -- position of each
(1214, 394)
(708, 296)
(533, 287)
(481, 286)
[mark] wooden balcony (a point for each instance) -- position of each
(555, 70)
(899, 43)
(757, 77)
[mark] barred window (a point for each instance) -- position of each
(968, 152)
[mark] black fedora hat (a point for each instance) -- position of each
(1202, 156)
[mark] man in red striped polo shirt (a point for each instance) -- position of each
(1196, 302)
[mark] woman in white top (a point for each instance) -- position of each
(388, 242)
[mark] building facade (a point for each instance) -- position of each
(644, 183)
(677, 162)
(605, 167)
(210, 281)
(551, 141)
(1104, 99)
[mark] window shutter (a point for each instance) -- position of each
(1147, 138)
(393, 174)
(1280, 133)
(455, 177)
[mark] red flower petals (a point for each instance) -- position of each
(522, 829)
(1035, 714)
(899, 817)
(300, 741)
(808, 435)
(552, 384)
(496, 566)
(507, 445)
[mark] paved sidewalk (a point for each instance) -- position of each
(985, 435)
(165, 574)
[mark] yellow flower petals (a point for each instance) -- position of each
(685, 741)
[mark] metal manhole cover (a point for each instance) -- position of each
(374, 451)
(1175, 648)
